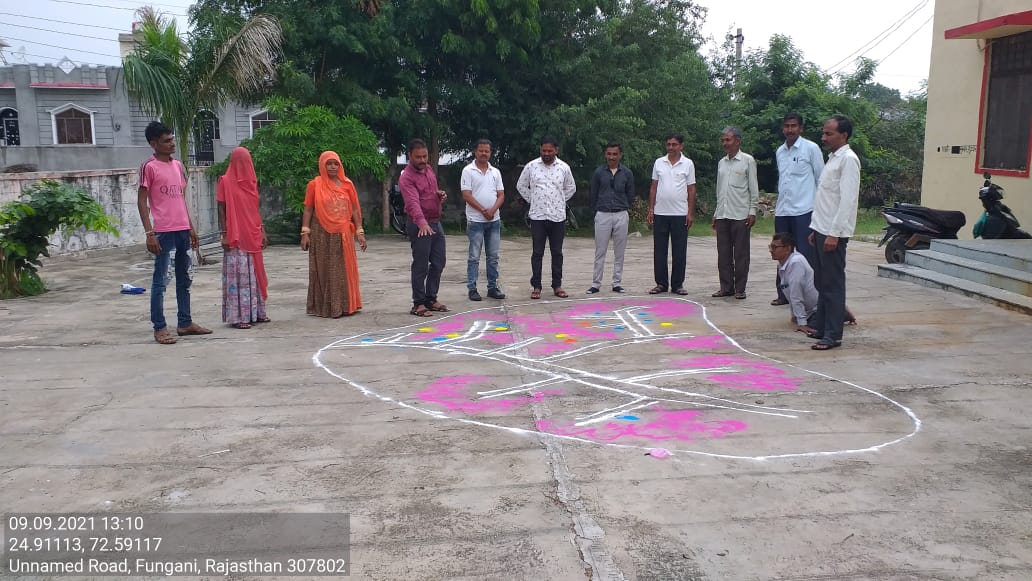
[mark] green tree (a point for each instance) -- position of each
(27, 224)
(221, 59)
(286, 153)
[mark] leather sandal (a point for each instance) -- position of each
(421, 311)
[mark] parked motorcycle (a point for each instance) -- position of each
(397, 204)
(997, 222)
(913, 227)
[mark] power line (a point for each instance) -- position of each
(57, 31)
(907, 39)
(61, 21)
(91, 5)
(138, 3)
(878, 39)
(62, 47)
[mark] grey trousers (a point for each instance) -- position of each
(609, 226)
(732, 255)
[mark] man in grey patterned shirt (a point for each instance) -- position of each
(547, 184)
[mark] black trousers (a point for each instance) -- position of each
(829, 276)
(554, 233)
(428, 258)
(670, 231)
(732, 254)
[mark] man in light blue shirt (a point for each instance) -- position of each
(800, 164)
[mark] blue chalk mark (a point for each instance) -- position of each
(618, 328)
(440, 339)
(367, 340)
(631, 418)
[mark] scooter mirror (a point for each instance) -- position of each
(987, 175)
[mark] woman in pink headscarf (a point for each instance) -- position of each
(244, 283)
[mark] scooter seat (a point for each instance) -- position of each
(948, 219)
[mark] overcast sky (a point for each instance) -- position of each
(826, 32)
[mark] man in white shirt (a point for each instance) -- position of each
(737, 195)
(833, 222)
(671, 208)
(483, 192)
(800, 163)
(547, 184)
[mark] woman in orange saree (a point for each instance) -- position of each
(330, 225)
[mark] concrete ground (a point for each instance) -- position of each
(512, 442)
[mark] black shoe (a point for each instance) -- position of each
(618, 289)
(593, 290)
(474, 295)
(495, 293)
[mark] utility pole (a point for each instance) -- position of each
(739, 40)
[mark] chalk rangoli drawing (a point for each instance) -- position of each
(628, 372)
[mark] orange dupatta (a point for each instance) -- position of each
(335, 205)
(238, 189)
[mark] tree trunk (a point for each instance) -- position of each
(433, 140)
(388, 181)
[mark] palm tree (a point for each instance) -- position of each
(176, 78)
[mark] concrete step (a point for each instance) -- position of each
(925, 277)
(1016, 254)
(1009, 279)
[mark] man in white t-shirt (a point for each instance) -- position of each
(483, 192)
(671, 207)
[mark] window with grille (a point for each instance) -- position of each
(73, 126)
(259, 120)
(1008, 104)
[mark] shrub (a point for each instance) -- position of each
(27, 224)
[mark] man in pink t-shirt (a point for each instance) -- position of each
(162, 195)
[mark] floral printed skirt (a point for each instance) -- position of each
(242, 302)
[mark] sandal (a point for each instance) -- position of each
(421, 311)
(657, 290)
(720, 294)
(535, 294)
(438, 308)
(681, 291)
(242, 325)
(559, 292)
(778, 302)
(816, 335)
(163, 337)
(193, 329)
(263, 320)
(825, 344)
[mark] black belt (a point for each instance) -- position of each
(613, 211)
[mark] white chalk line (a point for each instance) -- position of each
(317, 361)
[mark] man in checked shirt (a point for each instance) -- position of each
(547, 184)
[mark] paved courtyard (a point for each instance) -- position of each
(607, 437)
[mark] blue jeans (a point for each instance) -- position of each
(486, 236)
(180, 242)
